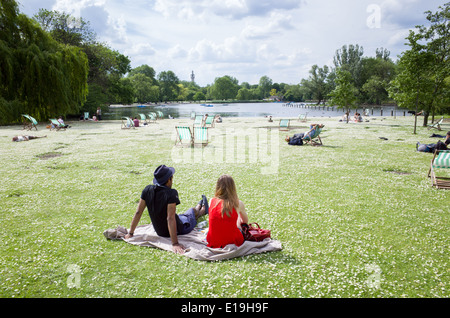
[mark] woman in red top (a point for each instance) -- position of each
(226, 213)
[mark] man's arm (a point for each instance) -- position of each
(136, 218)
(172, 224)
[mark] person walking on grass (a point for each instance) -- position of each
(161, 200)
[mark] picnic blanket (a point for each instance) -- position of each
(194, 242)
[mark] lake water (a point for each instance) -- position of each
(276, 110)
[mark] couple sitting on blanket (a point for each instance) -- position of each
(226, 214)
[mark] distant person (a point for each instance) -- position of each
(297, 139)
(136, 122)
(61, 121)
(26, 138)
(226, 214)
(99, 113)
(433, 147)
(161, 200)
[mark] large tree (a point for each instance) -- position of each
(344, 95)
(38, 75)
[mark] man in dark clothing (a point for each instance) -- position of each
(161, 201)
(433, 147)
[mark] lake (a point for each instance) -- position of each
(277, 110)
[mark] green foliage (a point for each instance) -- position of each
(168, 84)
(225, 87)
(344, 95)
(39, 76)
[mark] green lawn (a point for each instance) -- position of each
(357, 217)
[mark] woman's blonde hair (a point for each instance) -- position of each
(226, 191)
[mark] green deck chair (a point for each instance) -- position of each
(441, 160)
(314, 139)
(284, 124)
(160, 114)
(209, 121)
(29, 125)
(198, 120)
(436, 125)
(200, 136)
(302, 117)
(127, 123)
(184, 136)
(56, 125)
(143, 118)
(151, 117)
(86, 116)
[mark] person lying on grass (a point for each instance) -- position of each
(161, 200)
(433, 147)
(297, 139)
(26, 138)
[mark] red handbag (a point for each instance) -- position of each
(252, 232)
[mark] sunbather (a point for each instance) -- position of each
(433, 147)
(297, 139)
(161, 201)
(26, 138)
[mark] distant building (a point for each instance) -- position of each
(192, 77)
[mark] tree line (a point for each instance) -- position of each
(52, 64)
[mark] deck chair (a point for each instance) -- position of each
(184, 136)
(55, 124)
(29, 125)
(192, 115)
(314, 139)
(284, 124)
(209, 121)
(302, 117)
(160, 114)
(436, 125)
(151, 117)
(86, 116)
(200, 136)
(143, 118)
(127, 123)
(441, 160)
(198, 120)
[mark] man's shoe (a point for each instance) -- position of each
(205, 204)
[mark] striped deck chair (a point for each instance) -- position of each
(209, 121)
(151, 117)
(284, 124)
(160, 114)
(441, 160)
(313, 139)
(436, 125)
(127, 123)
(302, 117)
(55, 124)
(143, 118)
(184, 136)
(200, 136)
(29, 125)
(86, 116)
(198, 120)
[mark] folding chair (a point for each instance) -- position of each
(127, 123)
(200, 136)
(436, 125)
(29, 125)
(143, 118)
(184, 135)
(56, 125)
(86, 116)
(198, 120)
(160, 114)
(314, 138)
(302, 117)
(284, 124)
(441, 160)
(151, 117)
(209, 121)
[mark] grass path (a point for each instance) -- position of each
(357, 217)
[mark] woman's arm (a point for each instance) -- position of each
(243, 217)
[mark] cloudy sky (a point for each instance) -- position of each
(245, 39)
